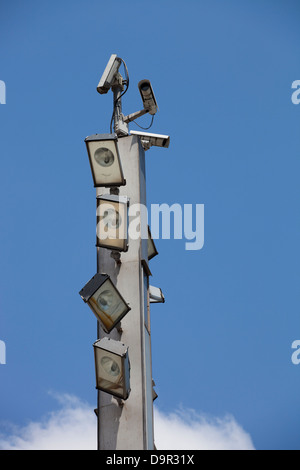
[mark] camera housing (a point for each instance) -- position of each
(147, 139)
(148, 97)
(109, 74)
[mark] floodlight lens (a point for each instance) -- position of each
(104, 157)
(110, 366)
(108, 305)
(105, 300)
(112, 219)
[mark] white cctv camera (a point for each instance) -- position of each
(109, 74)
(148, 97)
(149, 102)
(147, 140)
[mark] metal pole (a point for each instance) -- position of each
(98, 394)
(120, 127)
(128, 425)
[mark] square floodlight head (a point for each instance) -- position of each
(112, 367)
(105, 301)
(112, 222)
(103, 152)
(152, 251)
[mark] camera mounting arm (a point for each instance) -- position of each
(134, 116)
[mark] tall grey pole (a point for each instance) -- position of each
(128, 425)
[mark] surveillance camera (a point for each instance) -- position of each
(148, 140)
(148, 97)
(109, 74)
(156, 295)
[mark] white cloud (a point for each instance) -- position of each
(186, 429)
(73, 427)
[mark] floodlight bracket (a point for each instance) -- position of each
(116, 256)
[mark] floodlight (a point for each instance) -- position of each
(105, 301)
(105, 160)
(112, 222)
(156, 295)
(109, 74)
(148, 97)
(152, 251)
(112, 367)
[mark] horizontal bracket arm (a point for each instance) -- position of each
(134, 116)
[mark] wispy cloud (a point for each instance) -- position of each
(70, 428)
(73, 427)
(186, 429)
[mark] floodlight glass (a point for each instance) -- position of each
(112, 367)
(105, 301)
(104, 157)
(105, 160)
(112, 222)
(113, 219)
(152, 251)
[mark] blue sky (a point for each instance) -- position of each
(222, 74)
